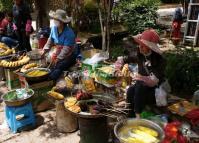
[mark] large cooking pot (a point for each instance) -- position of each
(10, 98)
(137, 122)
(37, 78)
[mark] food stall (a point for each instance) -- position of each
(90, 98)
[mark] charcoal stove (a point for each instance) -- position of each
(93, 128)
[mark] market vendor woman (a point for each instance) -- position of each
(62, 38)
(151, 66)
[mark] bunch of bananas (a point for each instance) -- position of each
(125, 71)
(10, 64)
(5, 50)
(36, 73)
(28, 66)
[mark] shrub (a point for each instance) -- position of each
(182, 71)
(137, 15)
(6, 5)
(87, 18)
(171, 1)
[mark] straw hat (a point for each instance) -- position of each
(61, 15)
(150, 39)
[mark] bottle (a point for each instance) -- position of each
(35, 43)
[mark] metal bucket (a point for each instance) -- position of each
(137, 122)
(93, 130)
(66, 122)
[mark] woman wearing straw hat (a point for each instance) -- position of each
(151, 67)
(63, 39)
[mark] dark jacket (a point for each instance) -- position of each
(157, 64)
(21, 15)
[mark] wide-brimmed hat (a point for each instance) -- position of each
(150, 39)
(61, 15)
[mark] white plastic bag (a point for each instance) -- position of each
(160, 96)
(166, 86)
(96, 58)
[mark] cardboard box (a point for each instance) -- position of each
(12, 80)
(40, 100)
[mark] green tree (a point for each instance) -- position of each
(6, 5)
(137, 15)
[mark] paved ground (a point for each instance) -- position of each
(45, 130)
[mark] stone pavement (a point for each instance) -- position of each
(45, 131)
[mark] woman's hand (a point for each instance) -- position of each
(42, 53)
(54, 62)
(147, 80)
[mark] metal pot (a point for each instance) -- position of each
(17, 102)
(38, 78)
(137, 122)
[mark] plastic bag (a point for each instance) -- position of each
(160, 96)
(96, 58)
(166, 86)
(88, 84)
(195, 99)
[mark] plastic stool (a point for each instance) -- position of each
(13, 112)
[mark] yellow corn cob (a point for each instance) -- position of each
(148, 131)
(56, 95)
(69, 82)
(31, 65)
(145, 137)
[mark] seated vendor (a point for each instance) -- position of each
(9, 34)
(151, 66)
(63, 39)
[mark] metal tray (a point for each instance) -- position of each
(39, 78)
(17, 102)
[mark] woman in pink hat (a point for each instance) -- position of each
(151, 66)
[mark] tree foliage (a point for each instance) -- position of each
(137, 15)
(171, 1)
(182, 71)
(6, 5)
